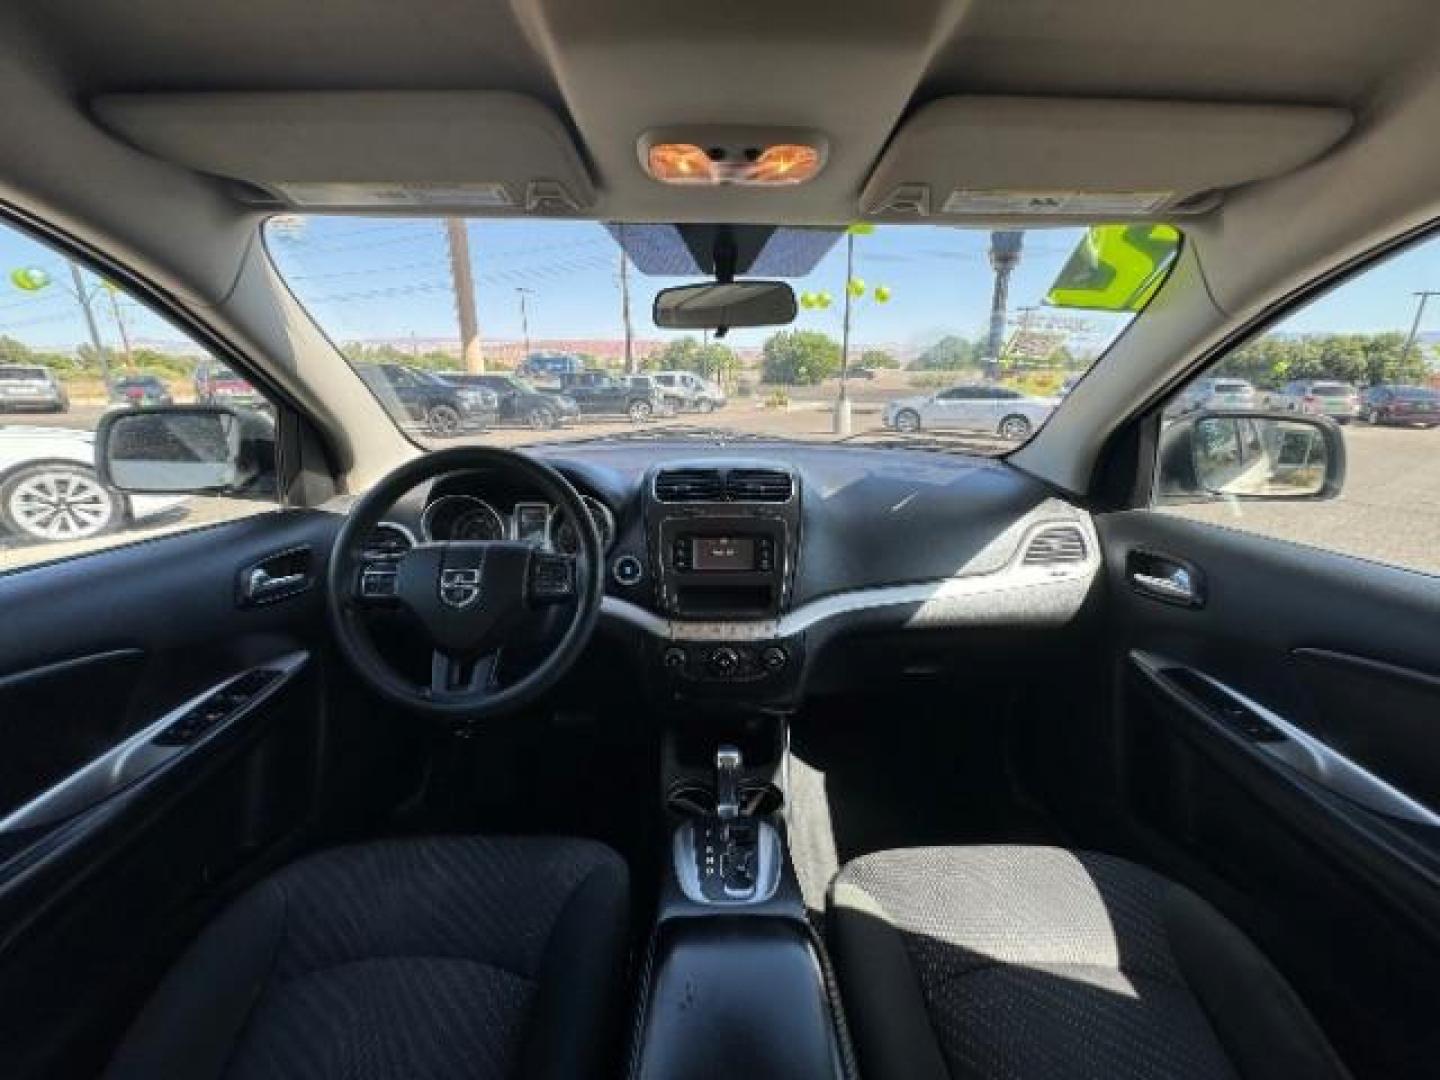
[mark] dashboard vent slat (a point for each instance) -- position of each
(1056, 546)
(758, 485)
(689, 485)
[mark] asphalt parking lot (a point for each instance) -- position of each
(1389, 509)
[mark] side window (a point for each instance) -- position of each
(72, 348)
(958, 394)
(1366, 354)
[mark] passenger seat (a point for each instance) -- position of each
(1032, 962)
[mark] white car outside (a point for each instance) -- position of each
(49, 490)
(995, 409)
(689, 392)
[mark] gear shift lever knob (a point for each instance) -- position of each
(728, 763)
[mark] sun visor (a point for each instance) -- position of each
(464, 151)
(1065, 159)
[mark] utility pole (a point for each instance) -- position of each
(84, 298)
(463, 280)
(1004, 257)
(625, 305)
(120, 325)
(524, 321)
(1424, 298)
(841, 426)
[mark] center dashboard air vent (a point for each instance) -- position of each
(716, 485)
(689, 485)
(758, 485)
(1056, 545)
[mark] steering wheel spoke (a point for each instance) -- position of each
(472, 677)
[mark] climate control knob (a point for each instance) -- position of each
(724, 661)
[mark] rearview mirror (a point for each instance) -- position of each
(192, 449)
(1251, 455)
(725, 306)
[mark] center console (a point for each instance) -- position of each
(724, 540)
(735, 981)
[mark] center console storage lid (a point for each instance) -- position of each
(736, 996)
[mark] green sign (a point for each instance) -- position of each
(1115, 268)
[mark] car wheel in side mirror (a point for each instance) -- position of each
(1209, 456)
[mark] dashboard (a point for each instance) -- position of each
(732, 568)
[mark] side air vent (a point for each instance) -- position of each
(758, 485)
(1056, 546)
(387, 541)
(689, 485)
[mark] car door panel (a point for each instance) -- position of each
(1322, 841)
(117, 845)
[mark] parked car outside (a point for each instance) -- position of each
(31, 388)
(1214, 393)
(550, 365)
(1413, 406)
(49, 490)
(599, 394)
(136, 390)
(216, 384)
(689, 392)
(424, 400)
(517, 401)
(998, 409)
(864, 373)
(1320, 397)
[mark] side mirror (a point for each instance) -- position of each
(725, 306)
(193, 449)
(1209, 456)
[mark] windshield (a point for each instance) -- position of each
(21, 374)
(1331, 390)
(566, 304)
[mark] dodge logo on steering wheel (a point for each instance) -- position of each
(459, 588)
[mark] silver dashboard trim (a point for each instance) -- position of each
(939, 603)
(1310, 756)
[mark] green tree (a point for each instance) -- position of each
(949, 354)
(878, 358)
(799, 357)
(710, 359)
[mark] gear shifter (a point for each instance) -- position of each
(728, 764)
(733, 858)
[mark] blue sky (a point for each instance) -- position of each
(370, 278)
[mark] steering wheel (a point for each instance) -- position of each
(467, 596)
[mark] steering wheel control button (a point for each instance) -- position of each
(552, 577)
(628, 570)
(377, 582)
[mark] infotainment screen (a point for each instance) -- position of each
(724, 552)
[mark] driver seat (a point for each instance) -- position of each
(476, 957)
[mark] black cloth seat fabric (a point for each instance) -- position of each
(1030, 963)
(427, 958)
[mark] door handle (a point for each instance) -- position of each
(1163, 577)
(275, 577)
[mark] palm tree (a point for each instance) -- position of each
(1005, 247)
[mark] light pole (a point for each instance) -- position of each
(524, 293)
(1424, 298)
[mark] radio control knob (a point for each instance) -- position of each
(774, 658)
(724, 661)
